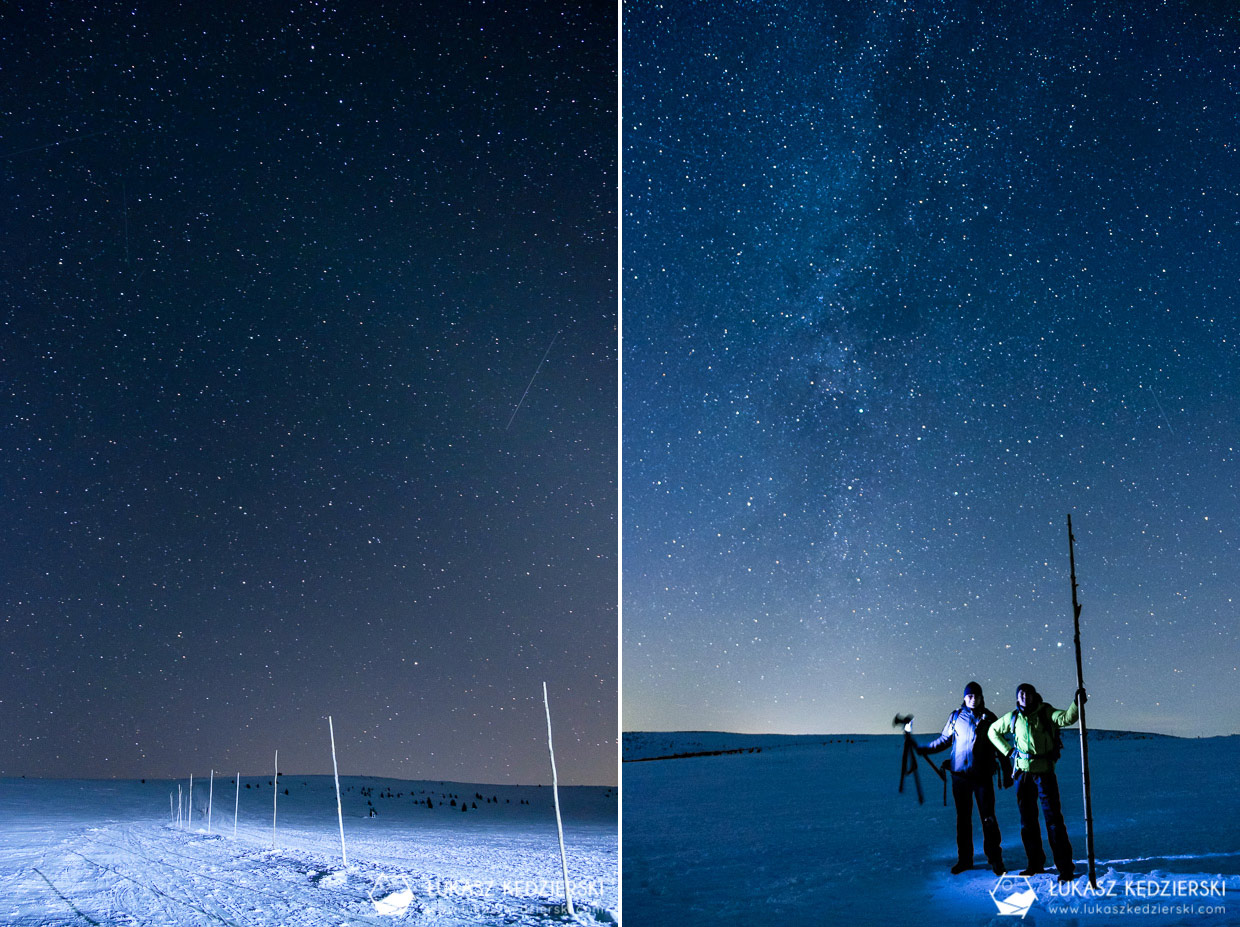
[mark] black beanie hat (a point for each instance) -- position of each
(973, 689)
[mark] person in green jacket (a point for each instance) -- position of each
(1030, 735)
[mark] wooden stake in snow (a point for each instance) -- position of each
(336, 772)
(1080, 703)
(275, 790)
(210, 796)
(236, 804)
(555, 791)
(180, 801)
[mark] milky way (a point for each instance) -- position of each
(904, 285)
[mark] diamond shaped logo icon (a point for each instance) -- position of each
(391, 897)
(1014, 895)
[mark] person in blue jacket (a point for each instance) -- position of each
(973, 763)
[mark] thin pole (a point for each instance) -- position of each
(180, 801)
(1080, 705)
(189, 803)
(335, 772)
(275, 790)
(172, 814)
(236, 804)
(210, 796)
(555, 791)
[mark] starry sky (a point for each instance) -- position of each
(309, 389)
(905, 284)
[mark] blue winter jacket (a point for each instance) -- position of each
(972, 753)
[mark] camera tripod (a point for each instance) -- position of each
(908, 762)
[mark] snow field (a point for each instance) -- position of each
(811, 829)
(83, 852)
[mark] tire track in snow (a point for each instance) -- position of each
(138, 872)
(100, 894)
(153, 866)
(441, 908)
(302, 909)
(156, 891)
(61, 896)
(294, 905)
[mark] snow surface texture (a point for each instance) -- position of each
(105, 852)
(811, 829)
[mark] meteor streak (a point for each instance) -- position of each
(531, 383)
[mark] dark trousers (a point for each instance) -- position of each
(1033, 789)
(966, 790)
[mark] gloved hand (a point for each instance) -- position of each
(1005, 779)
(1081, 696)
(922, 751)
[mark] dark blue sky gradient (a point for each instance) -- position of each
(273, 284)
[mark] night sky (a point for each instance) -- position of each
(309, 389)
(905, 283)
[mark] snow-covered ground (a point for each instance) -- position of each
(811, 830)
(110, 853)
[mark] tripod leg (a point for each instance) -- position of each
(908, 764)
(921, 798)
(903, 767)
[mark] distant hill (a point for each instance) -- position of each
(641, 746)
(650, 745)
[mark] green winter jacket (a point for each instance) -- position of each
(1033, 734)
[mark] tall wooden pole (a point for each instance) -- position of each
(555, 791)
(1080, 705)
(344, 856)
